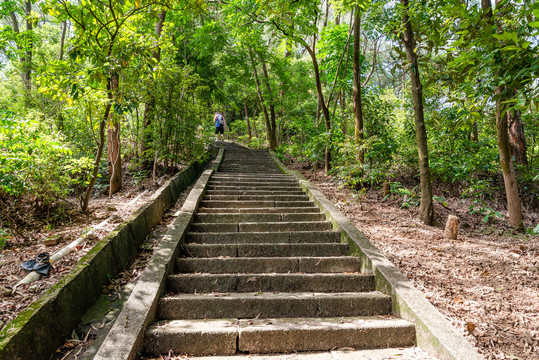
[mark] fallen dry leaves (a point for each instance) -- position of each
(486, 282)
(13, 302)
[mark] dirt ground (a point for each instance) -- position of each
(486, 282)
(30, 240)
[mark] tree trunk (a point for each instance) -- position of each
(426, 210)
(273, 127)
(504, 148)
(511, 187)
(113, 146)
(358, 110)
(62, 40)
(323, 107)
(100, 146)
(517, 139)
(247, 120)
(254, 121)
(149, 107)
(261, 98)
(474, 133)
(27, 65)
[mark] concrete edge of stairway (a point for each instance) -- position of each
(125, 338)
(434, 333)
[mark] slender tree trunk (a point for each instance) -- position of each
(254, 122)
(514, 207)
(358, 110)
(474, 133)
(273, 127)
(27, 65)
(247, 120)
(511, 186)
(426, 209)
(113, 143)
(100, 146)
(322, 104)
(517, 140)
(149, 107)
(62, 40)
(261, 99)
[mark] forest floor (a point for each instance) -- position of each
(486, 282)
(31, 236)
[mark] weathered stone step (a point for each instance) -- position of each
(404, 353)
(265, 237)
(251, 177)
(262, 336)
(303, 197)
(245, 170)
(249, 168)
(262, 226)
(269, 305)
(279, 183)
(277, 210)
(259, 187)
(247, 265)
(255, 192)
(265, 250)
(252, 203)
(258, 217)
(241, 177)
(223, 283)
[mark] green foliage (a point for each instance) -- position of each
(31, 162)
(4, 238)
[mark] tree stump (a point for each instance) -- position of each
(451, 227)
(385, 188)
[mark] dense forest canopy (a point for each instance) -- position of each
(436, 92)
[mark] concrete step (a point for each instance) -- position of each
(402, 353)
(271, 305)
(242, 177)
(264, 237)
(247, 265)
(258, 197)
(277, 210)
(258, 217)
(269, 183)
(264, 250)
(252, 204)
(254, 192)
(262, 336)
(254, 187)
(223, 283)
(262, 226)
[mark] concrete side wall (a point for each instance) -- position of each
(43, 326)
(434, 333)
(125, 339)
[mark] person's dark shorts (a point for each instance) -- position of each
(220, 130)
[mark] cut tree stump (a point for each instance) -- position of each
(386, 189)
(452, 227)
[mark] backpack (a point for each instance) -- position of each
(218, 121)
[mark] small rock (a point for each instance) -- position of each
(6, 291)
(53, 240)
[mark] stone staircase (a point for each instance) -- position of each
(262, 272)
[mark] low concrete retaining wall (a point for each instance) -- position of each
(125, 338)
(434, 333)
(43, 326)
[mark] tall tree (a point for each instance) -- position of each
(426, 208)
(356, 64)
(504, 113)
(149, 106)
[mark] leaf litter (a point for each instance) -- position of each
(486, 283)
